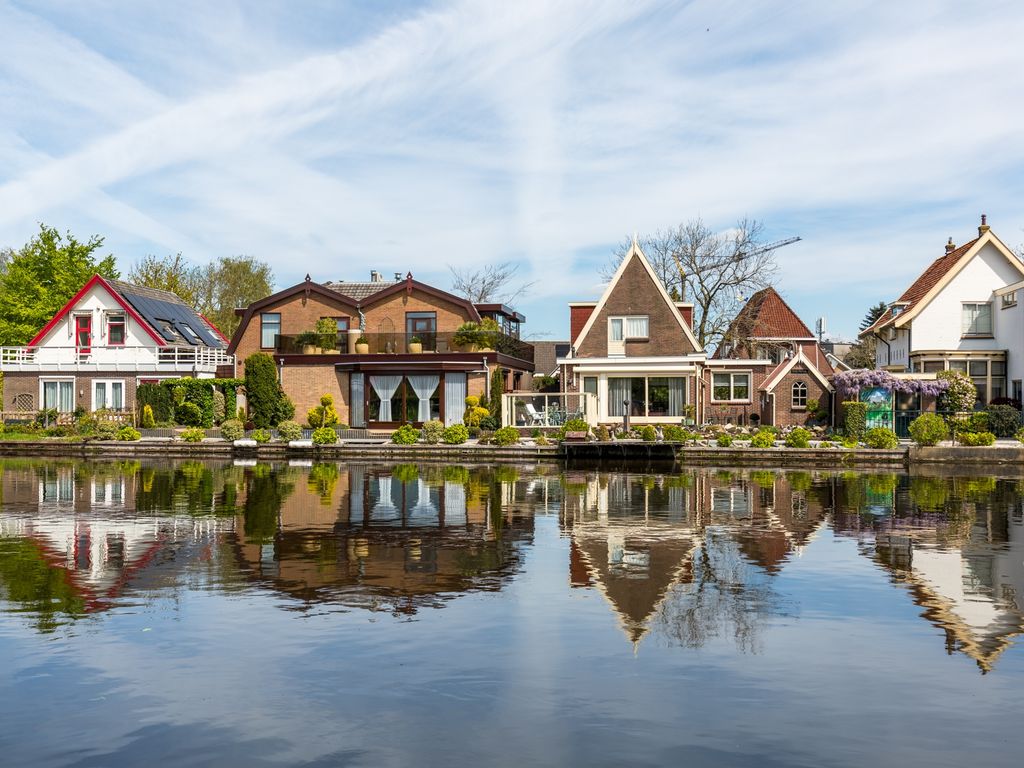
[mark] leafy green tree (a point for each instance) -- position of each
(170, 273)
(232, 282)
(42, 276)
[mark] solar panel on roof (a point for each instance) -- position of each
(169, 317)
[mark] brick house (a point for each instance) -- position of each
(635, 350)
(768, 367)
(109, 338)
(410, 369)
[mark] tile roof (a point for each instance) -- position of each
(766, 315)
(169, 315)
(359, 291)
(924, 283)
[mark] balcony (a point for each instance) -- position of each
(401, 344)
(184, 360)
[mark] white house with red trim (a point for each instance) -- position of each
(109, 338)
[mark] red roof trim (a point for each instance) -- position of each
(94, 280)
(216, 330)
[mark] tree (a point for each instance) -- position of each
(42, 277)
(232, 282)
(873, 314)
(489, 283)
(263, 391)
(170, 273)
(716, 271)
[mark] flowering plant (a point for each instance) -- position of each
(851, 381)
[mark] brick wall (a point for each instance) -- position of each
(306, 384)
(393, 308)
(28, 383)
(636, 293)
(785, 414)
(298, 315)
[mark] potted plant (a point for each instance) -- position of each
(306, 341)
(415, 345)
(362, 346)
(327, 330)
(467, 337)
(489, 334)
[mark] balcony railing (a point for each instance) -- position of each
(145, 359)
(401, 343)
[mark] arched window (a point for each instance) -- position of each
(799, 394)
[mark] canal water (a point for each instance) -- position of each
(421, 615)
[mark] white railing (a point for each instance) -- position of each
(547, 409)
(146, 359)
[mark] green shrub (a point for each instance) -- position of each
(263, 392)
(128, 433)
(506, 436)
(542, 440)
(855, 418)
(261, 435)
(323, 415)
(405, 435)
(724, 440)
(961, 394)
(674, 434)
(602, 433)
(497, 386)
(812, 405)
(976, 438)
(158, 398)
(193, 434)
(490, 422)
(148, 421)
(325, 436)
(289, 430)
(106, 430)
(573, 425)
(798, 438)
(232, 430)
(285, 408)
(456, 434)
(1003, 420)
(762, 439)
(188, 414)
(433, 432)
(60, 430)
(648, 433)
(881, 438)
(1020, 435)
(850, 443)
(218, 406)
(929, 429)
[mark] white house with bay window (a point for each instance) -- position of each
(109, 338)
(962, 313)
(635, 351)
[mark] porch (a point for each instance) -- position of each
(547, 409)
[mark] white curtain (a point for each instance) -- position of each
(454, 504)
(385, 387)
(454, 398)
(357, 414)
(424, 385)
(636, 327)
(676, 396)
(618, 392)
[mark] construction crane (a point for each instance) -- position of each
(757, 252)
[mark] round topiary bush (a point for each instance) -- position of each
(106, 430)
(456, 434)
(648, 433)
(193, 434)
(433, 432)
(128, 433)
(929, 429)
(232, 430)
(798, 438)
(673, 433)
(506, 436)
(289, 430)
(188, 414)
(261, 435)
(881, 438)
(405, 435)
(325, 436)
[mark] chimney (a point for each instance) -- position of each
(950, 246)
(984, 225)
(374, 276)
(398, 277)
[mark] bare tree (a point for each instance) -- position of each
(489, 283)
(715, 271)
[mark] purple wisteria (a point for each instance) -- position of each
(851, 381)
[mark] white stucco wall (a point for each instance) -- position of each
(938, 326)
(98, 303)
(1009, 325)
(890, 352)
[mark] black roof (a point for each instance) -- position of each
(168, 315)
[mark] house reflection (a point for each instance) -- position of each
(957, 545)
(394, 539)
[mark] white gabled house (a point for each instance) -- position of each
(961, 314)
(109, 338)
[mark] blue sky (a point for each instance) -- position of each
(334, 138)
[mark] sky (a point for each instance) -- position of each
(332, 138)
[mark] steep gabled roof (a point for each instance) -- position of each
(169, 315)
(766, 315)
(773, 378)
(635, 252)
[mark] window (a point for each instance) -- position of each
(933, 366)
(400, 399)
(799, 394)
(955, 365)
(190, 336)
(422, 325)
(115, 330)
(730, 387)
(270, 329)
(83, 333)
(1009, 299)
(59, 395)
(108, 394)
(643, 396)
(590, 384)
(628, 328)
(976, 319)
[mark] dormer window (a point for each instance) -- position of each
(896, 311)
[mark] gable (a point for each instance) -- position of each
(636, 290)
(766, 315)
(393, 306)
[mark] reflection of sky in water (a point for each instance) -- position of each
(704, 619)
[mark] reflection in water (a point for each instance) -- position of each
(685, 558)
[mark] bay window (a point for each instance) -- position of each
(730, 387)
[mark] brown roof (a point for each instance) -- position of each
(359, 291)
(546, 353)
(920, 287)
(767, 316)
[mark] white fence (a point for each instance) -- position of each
(147, 359)
(547, 409)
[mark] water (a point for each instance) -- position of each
(197, 614)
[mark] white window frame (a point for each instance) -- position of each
(42, 399)
(732, 386)
(625, 326)
(108, 383)
(967, 333)
(802, 405)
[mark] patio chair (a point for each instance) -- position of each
(536, 419)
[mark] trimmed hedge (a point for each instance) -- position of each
(929, 429)
(159, 400)
(855, 418)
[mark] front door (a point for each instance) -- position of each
(83, 334)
